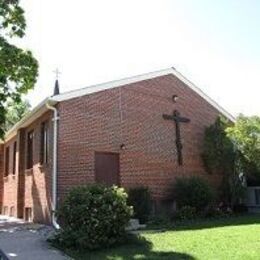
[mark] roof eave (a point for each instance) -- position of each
(39, 110)
(118, 83)
(204, 95)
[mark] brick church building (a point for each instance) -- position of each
(144, 130)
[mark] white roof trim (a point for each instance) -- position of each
(203, 95)
(110, 84)
(134, 79)
(41, 108)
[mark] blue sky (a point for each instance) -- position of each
(213, 43)
(232, 25)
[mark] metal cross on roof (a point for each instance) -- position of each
(56, 86)
(57, 73)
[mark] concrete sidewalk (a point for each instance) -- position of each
(25, 241)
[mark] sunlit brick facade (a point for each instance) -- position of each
(125, 120)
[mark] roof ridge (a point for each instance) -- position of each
(129, 80)
(115, 83)
(112, 84)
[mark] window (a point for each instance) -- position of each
(11, 211)
(30, 150)
(14, 158)
(6, 161)
(5, 210)
(257, 196)
(44, 143)
(28, 214)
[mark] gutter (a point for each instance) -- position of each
(54, 166)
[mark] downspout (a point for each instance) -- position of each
(54, 166)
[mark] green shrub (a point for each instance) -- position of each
(240, 208)
(186, 213)
(158, 221)
(140, 199)
(213, 212)
(193, 191)
(93, 216)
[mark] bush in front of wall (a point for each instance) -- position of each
(194, 192)
(240, 208)
(159, 220)
(186, 213)
(140, 199)
(93, 217)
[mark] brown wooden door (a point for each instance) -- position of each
(107, 168)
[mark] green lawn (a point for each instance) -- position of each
(232, 238)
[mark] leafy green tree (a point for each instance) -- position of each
(220, 155)
(18, 67)
(218, 150)
(15, 111)
(245, 134)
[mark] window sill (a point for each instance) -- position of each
(6, 178)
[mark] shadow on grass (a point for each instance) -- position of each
(247, 219)
(136, 248)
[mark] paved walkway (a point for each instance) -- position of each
(24, 241)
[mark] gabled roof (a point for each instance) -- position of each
(41, 108)
(134, 79)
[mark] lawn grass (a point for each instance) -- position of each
(229, 238)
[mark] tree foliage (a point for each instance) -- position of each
(218, 150)
(93, 217)
(15, 111)
(221, 155)
(245, 134)
(18, 67)
(194, 192)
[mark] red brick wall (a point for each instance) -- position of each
(129, 115)
(10, 181)
(29, 187)
(21, 142)
(132, 115)
(37, 190)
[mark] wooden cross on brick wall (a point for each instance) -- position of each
(177, 119)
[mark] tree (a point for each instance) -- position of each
(218, 150)
(18, 67)
(15, 111)
(220, 155)
(245, 134)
